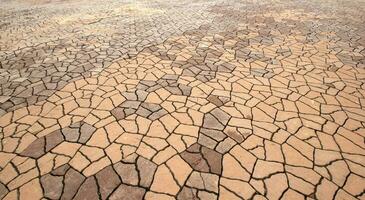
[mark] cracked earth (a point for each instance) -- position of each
(182, 99)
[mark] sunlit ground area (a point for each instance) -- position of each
(182, 99)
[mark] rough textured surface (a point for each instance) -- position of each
(182, 99)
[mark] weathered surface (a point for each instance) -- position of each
(182, 99)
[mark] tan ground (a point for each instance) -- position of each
(182, 100)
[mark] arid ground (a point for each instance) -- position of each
(182, 99)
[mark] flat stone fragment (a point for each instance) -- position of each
(146, 169)
(203, 159)
(53, 140)
(60, 171)
(88, 190)
(3, 191)
(107, 180)
(52, 186)
(128, 192)
(203, 181)
(215, 100)
(31, 190)
(73, 181)
(164, 100)
(35, 149)
(188, 193)
(164, 181)
(127, 172)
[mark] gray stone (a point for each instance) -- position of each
(73, 180)
(35, 149)
(210, 122)
(226, 145)
(52, 186)
(127, 172)
(187, 193)
(108, 180)
(86, 130)
(146, 170)
(88, 190)
(206, 141)
(127, 192)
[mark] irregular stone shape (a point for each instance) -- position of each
(130, 104)
(259, 72)
(35, 149)
(143, 112)
(151, 111)
(146, 170)
(203, 181)
(108, 180)
(210, 122)
(118, 113)
(215, 100)
(73, 180)
(207, 141)
(226, 145)
(127, 172)
(31, 190)
(157, 115)
(326, 189)
(86, 130)
(52, 186)
(203, 195)
(235, 135)
(264, 169)
(88, 190)
(164, 182)
(240, 188)
(276, 185)
(71, 133)
(151, 107)
(196, 161)
(232, 169)
(214, 134)
(214, 160)
(179, 168)
(61, 170)
(127, 192)
(53, 140)
(221, 116)
(203, 159)
(3, 191)
(188, 193)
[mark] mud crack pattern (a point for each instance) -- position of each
(182, 100)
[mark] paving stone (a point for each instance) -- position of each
(3, 191)
(35, 149)
(146, 169)
(211, 122)
(215, 100)
(107, 180)
(60, 171)
(72, 182)
(128, 192)
(186, 101)
(86, 131)
(127, 172)
(88, 190)
(180, 169)
(203, 181)
(53, 140)
(187, 193)
(52, 186)
(163, 178)
(31, 190)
